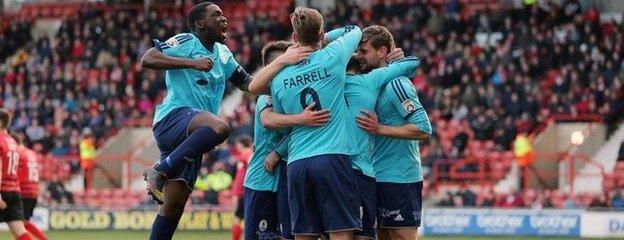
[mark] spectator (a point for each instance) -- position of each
(599, 203)
(87, 156)
(57, 192)
(218, 180)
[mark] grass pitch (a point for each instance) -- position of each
(197, 235)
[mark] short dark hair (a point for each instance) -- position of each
(196, 12)
(245, 141)
(354, 65)
(280, 46)
(5, 119)
(378, 36)
(19, 138)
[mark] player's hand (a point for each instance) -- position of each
(396, 53)
(270, 161)
(3, 204)
(312, 118)
(202, 64)
(294, 54)
(368, 121)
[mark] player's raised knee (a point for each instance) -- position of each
(222, 129)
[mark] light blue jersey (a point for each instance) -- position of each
(265, 141)
(398, 160)
(320, 79)
(192, 88)
(361, 93)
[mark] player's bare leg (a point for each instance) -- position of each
(204, 127)
(305, 237)
(346, 235)
(17, 228)
(176, 194)
(383, 234)
(404, 233)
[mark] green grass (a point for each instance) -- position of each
(196, 235)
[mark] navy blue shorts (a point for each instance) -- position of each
(400, 204)
(283, 210)
(323, 195)
(170, 132)
(368, 201)
(261, 215)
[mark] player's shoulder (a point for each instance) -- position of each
(179, 40)
(399, 87)
(224, 52)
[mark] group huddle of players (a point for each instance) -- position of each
(338, 108)
(19, 183)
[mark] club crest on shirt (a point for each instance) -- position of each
(263, 225)
(408, 105)
(269, 101)
(223, 55)
(171, 42)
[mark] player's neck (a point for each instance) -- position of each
(383, 64)
(208, 44)
(315, 46)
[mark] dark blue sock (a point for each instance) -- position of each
(199, 142)
(162, 229)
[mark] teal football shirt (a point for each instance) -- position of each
(361, 93)
(265, 141)
(320, 79)
(398, 160)
(192, 88)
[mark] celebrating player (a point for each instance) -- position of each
(185, 124)
(28, 173)
(322, 192)
(396, 158)
(11, 210)
(361, 93)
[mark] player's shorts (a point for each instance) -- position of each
(400, 204)
(170, 132)
(240, 208)
(29, 207)
(14, 210)
(323, 196)
(283, 210)
(368, 200)
(261, 215)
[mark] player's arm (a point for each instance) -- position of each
(309, 117)
(155, 59)
(344, 46)
(378, 78)
(260, 82)
(404, 100)
(280, 153)
(2, 203)
(174, 54)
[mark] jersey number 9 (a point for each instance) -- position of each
(304, 95)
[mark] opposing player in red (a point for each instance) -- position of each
(11, 210)
(28, 173)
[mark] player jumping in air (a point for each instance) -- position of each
(396, 158)
(185, 124)
(323, 196)
(11, 210)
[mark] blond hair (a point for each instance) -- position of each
(308, 24)
(378, 36)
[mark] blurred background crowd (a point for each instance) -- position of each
(486, 76)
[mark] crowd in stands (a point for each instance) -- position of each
(487, 74)
(486, 198)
